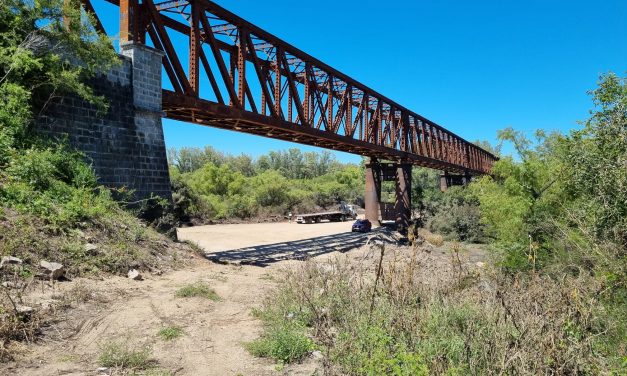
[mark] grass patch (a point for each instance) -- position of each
(169, 333)
(200, 290)
(283, 343)
(118, 355)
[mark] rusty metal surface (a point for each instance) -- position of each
(260, 84)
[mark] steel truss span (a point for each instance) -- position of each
(256, 83)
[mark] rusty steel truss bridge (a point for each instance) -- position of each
(260, 84)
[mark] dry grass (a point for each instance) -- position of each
(436, 314)
(122, 356)
(434, 239)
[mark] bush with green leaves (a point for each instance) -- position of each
(37, 66)
(218, 187)
(456, 215)
(565, 193)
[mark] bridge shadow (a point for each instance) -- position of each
(264, 255)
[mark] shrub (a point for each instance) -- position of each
(454, 213)
(433, 239)
(229, 187)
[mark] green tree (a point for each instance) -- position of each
(42, 60)
(595, 161)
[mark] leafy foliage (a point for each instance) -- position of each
(170, 333)
(40, 61)
(284, 343)
(218, 187)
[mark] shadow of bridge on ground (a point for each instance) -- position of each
(263, 255)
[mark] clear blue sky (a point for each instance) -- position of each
(472, 66)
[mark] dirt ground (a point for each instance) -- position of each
(132, 312)
(215, 238)
(119, 310)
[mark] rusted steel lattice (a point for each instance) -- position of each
(259, 84)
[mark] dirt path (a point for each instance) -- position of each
(133, 312)
(216, 238)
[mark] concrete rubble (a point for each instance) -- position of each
(135, 275)
(52, 270)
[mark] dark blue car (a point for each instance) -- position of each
(362, 225)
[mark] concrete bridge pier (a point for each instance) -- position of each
(372, 198)
(125, 145)
(448, 180)
(378, 211)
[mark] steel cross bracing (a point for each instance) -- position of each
(259, 84)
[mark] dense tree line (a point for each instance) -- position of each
(211, 185)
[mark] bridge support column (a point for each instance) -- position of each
(373, 191)
(403, 196)
(125, 145)
(152, 163)
(448, 180)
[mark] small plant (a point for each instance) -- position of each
(117, 355)
(198, 289)
(170, 332)
(283, 343)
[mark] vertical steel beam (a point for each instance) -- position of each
(241, 68)
(330, 102)
(277, 83)
(290, 104)
(365, 122)
(194, 47)
(348, 125)
(128, 28)
(307, 96)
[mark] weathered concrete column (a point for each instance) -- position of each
(444, 181)
(147, 103)
(373, 191)
(466, 178)
(448, 180)
(125, 145)
(403, 195)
